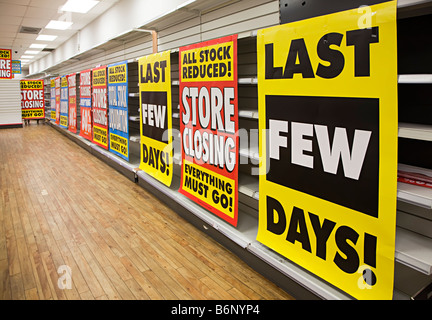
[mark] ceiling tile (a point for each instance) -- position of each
(48, 4)
(13, 9)
(9, 28)
(33, 12)
(20, 2)
(10, 20)
(34, 22)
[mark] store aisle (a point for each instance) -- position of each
(71, 227)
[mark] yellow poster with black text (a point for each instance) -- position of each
(155, 116)
(327, 92)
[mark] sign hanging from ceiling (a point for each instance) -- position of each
(209, 125)
(16, 66)
(5, 64)
(100, 107)
(32, 99)
(118, 95)
(328, 125)
(156, 116)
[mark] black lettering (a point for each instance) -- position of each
(322, 233)
(156, 72)
(145, 153)
(212, 54)
(351, 263)
(188, 182)
(335, 57)
(370, 245)
(361, 40)
(270, 71)
(162, 160)
(222, 69)
(149, 75)
(163, 65)
(298, 222)
(274, 207)
(226, 52)
(298, 49)
(156, 157)
(151, 161)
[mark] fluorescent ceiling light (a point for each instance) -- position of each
(37, 46)
(59, 25)
(31, 52)
(27, 57)
(80, 6)
(24, 60)
(46, 37)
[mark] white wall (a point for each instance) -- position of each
(123, 16)
(175, 29)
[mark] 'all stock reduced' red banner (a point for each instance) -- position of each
(209, 125)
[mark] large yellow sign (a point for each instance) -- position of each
(155, 116)
(327, 90)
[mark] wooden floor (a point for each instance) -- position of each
(71, 227)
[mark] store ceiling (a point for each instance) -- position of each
(34, 14)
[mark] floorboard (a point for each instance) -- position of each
(62, 208)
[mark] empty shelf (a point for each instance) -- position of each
(414, 250)
(415, 131)
(415, 78)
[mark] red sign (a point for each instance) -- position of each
(85, 104)
(72, 103)
(100, 107)
(209, 125)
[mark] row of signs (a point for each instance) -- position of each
(327, 96)
(103, 96)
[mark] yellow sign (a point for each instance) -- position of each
(117, 74)
(119, 144)
(64, 121)
(209, 187)
(100, 135)
(327, 90)
(99, 77)
(32, 113)
(64, 82)
(155, 116)
(31, 84)
(5, 53)
(208, 63)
